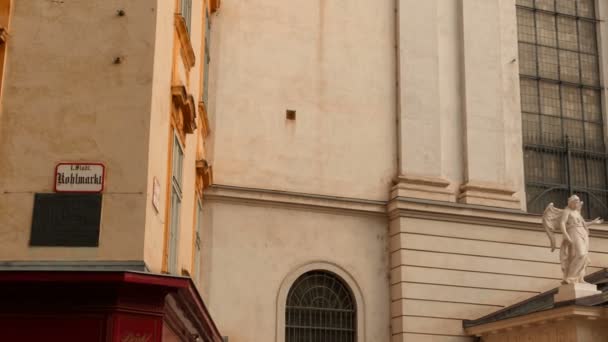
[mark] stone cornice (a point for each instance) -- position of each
(294, 200)
(472, 214)
(393, 209)
(539, 318)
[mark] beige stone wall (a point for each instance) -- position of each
(65, 100)
(161, 135)
(459, 112)
(445, 271)
(331, 61)
(250, 250)
(427, 93)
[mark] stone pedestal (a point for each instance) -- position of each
(574, 291)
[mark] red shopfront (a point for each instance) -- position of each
(100, 306)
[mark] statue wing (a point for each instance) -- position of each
(551, 221)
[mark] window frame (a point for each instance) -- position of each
(291, 277)
(566, 155)
(206, 58)
(197, 244)
(185, 10)
(333, 307)
(176, 197)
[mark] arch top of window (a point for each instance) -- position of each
(320, 305)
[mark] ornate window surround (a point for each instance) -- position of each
(187, 52)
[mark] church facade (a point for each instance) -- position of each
(380, 167)
(299, 171)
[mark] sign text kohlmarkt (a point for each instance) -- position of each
(79, 177)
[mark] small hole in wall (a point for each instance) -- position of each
(290, 114)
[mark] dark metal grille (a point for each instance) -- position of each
(320, 308)
(564, 150)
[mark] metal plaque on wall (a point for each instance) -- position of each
(66, 220)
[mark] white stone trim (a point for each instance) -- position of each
(290, 279)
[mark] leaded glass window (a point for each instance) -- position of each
(320, 307)
(564, 150)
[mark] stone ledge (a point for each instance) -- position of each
(539, 318)
(473, 214)
(393, 209)
(292, 199)
(423, 187)
(488, 194)
(574, 291)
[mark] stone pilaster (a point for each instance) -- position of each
(492, 116)
(420, 147)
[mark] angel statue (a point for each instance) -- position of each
(574, 251)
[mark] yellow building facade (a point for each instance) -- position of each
(118, 88)
(117, 83)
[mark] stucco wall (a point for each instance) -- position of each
(444, 272)
(250, 250)
(166, 67)
(65, 100)
(331, 61)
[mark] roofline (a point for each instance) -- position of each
(598, 277)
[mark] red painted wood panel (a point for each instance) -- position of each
(53, 329)
(136, 328)
(169, 335)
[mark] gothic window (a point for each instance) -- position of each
(563, 136)
(320, 307)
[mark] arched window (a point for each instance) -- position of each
(320, 307)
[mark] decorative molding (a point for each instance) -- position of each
(423, 187)
(214, 5)
(488, 194)
(541, 317)
(205, 128)
(79, 265)
(185, 102)
(489, 188)
(395, 208)
(183, 36)
(471, 214)
(3, 35)
(422, 180)
(274, 198)
(204, 174)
